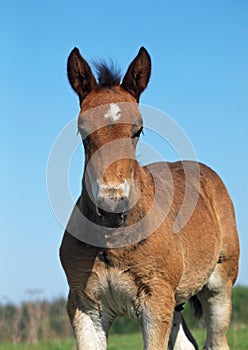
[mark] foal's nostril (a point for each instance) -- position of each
(123, 205)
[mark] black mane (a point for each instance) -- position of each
(108, 74)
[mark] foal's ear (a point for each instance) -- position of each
(136, 79)
(80, 75)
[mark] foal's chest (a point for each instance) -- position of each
(114, 289)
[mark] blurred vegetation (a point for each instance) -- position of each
(239, 309)
(237, 339)
(32, 322)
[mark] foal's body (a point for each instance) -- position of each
(147, 279)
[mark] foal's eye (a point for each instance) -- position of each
(137, 133)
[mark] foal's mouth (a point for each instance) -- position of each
(112, 212)
(110, 219)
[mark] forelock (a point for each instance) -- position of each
(108, 73)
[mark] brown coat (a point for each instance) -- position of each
(144, 271)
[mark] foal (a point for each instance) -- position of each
(121, 252)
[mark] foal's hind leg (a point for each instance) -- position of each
(217, 306)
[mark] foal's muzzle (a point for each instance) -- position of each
(112, 202)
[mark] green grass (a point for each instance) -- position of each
(237, 337)
(53, 345)
(125, 342)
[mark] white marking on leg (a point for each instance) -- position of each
(216, 302)
(215, 282)
(182, 342)
(113, 113)
(89, 333)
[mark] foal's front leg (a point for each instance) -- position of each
(157, 319)
(90, 329)
(89, 332)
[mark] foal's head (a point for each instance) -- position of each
(110, 125)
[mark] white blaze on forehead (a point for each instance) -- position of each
(113, 113)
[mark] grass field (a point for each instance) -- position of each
(237, 337)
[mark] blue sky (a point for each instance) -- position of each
(199, 52)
